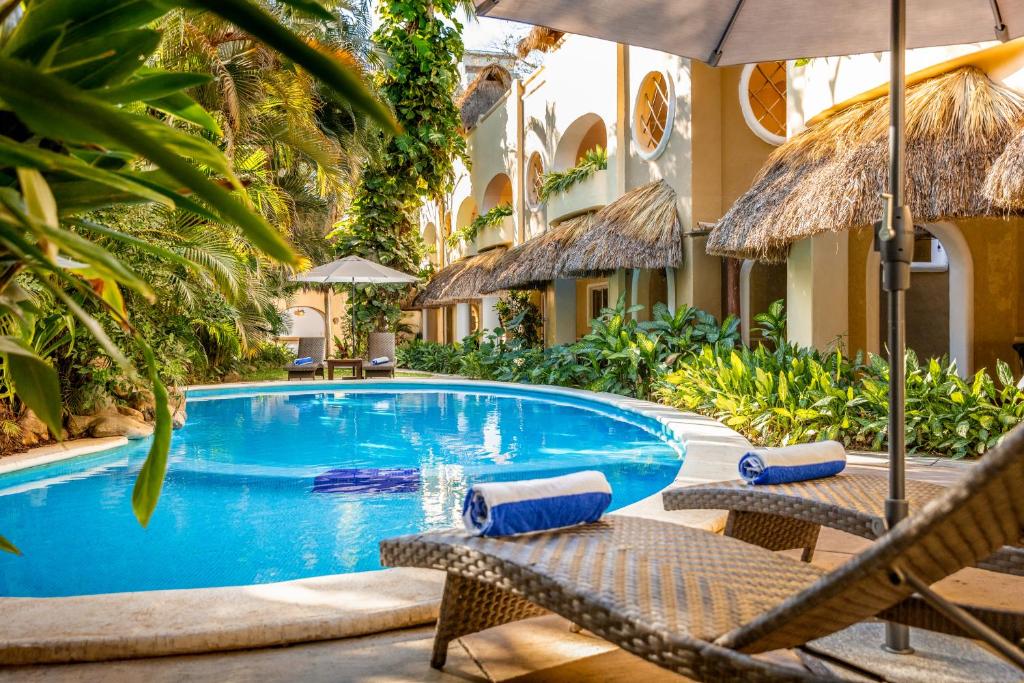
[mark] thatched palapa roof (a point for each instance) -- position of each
(640, 229)
(539, 260)
(540, 38)
(460, 281)
(489, 86)
(830, 177)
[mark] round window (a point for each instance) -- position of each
(653, 112)
(534, 179)
(763, 100)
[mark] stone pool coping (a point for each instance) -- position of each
(173, 622)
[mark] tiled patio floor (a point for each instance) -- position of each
(540, 649)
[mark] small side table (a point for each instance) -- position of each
(356, 364)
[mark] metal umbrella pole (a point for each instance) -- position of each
(896, 243)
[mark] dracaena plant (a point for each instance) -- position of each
(86, 124)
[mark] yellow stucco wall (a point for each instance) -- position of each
(997, 250)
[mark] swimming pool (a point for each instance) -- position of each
(291, 481)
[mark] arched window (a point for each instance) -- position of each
(653, 112)
(763, 100)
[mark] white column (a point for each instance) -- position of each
(745, 313)
(817, 290)
(489, 312)
(564, 311)
(670, 280)
(462, 321)
(425, 324)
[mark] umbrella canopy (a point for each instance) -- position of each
(826, 179)
(354, 270)
(351, 270)
(723, 32)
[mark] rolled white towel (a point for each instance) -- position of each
(502, 508)
(793, 463)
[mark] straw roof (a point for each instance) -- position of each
(489, 86)
(540, 38)
(830, 177)
(640, 229)
(460, 281)
(539, 260)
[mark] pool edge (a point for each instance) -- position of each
(101, 628)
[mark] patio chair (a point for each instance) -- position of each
(789, 516)
(309, 347)
(702, 605)
(379, 345)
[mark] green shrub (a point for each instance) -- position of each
(794, 395)
(520, 318)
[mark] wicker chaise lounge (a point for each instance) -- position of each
(787, 516)
(702, 605)
(309, 347)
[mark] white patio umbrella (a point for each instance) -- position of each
(352, 270)
(726, 32)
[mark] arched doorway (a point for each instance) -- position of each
(940, 301)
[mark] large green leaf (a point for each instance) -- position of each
(8, 547)
(152, 84)
(45, 103)
(105, 60)
(342, 81)
(185, 108)
(24, 155)
(79, 20)
(35, 382)
(150, 481)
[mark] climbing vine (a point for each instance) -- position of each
(422, 45)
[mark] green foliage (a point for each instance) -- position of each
(488, 219)
(794, 395)
(557, 182)
(619, 355)
(87, 123)
(422, 44)
(520, 318)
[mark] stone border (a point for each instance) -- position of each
(174, 622)
(55, 452)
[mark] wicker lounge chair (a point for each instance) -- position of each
(701, 604)
(787, 516)
(380, 344)
(309, 347)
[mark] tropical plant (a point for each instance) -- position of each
(489, 219)
(85, 124)
(520, 318)
(422, 46)
(559, 182)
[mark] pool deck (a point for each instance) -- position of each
(375, 622)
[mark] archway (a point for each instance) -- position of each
(498, 192)
(430, 240)
(304, 321)
(583, 135)
(951, 259)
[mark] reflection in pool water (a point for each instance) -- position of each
(280, 486)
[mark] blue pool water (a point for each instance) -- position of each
(282, 485)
